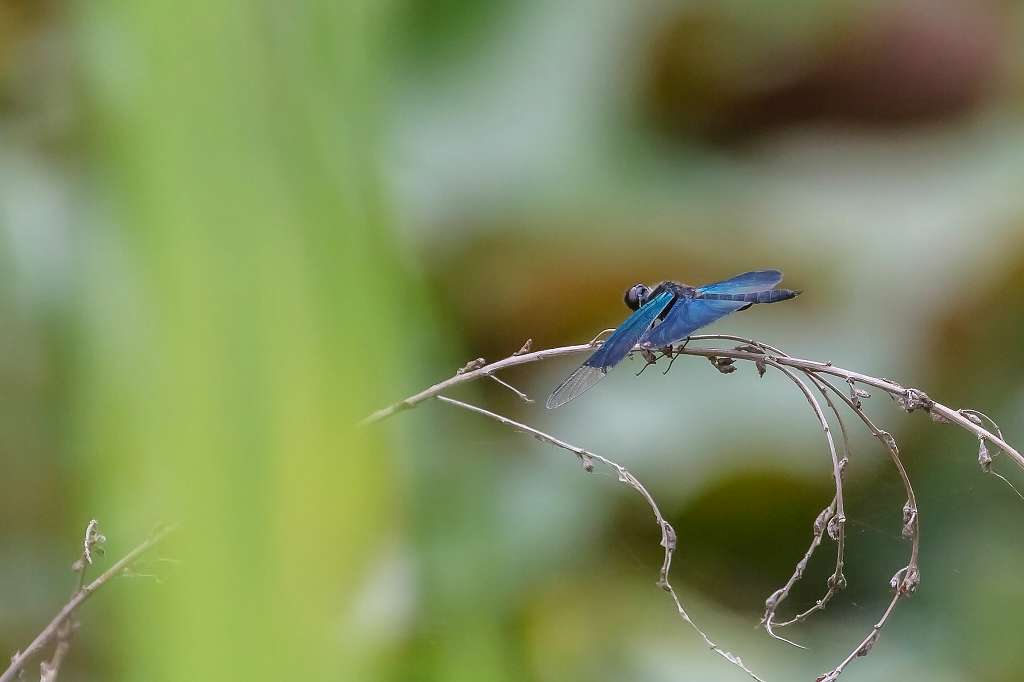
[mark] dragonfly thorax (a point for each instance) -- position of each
(639, 294)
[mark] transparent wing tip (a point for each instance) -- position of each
(575, 385)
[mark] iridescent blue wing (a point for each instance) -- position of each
(629, 332)
(687, 316)
(748, 282)
(610, 353)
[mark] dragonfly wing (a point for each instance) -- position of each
(610, 353)
(582, 379)
(747, 283)
(629, 332)
(687, 316)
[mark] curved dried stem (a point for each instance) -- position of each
(835, 525)
(866, 645)
(985, 460)
(777, 597)
(981, 415)
(910, 398)
(837, 580)
(907, 579)
(910, 510)
(668, 534)
(816, 375)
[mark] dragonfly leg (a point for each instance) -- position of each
(673, 354)
(671, 358)
(649, 359)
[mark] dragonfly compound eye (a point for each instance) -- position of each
(636, 296)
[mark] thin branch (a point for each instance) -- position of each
(984, 458)
(519, 394)
(668, 534)
(771, 604)
(911, 398)
(821, 523)
(485, 370)
(910, 511)
(832, 518)
(1005, 480)
(91, 543)
(836, 524)
(907, 579)
(864, 648)
(48, 633)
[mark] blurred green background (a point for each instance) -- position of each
(229, 230)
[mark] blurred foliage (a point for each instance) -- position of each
(728, 71)
(441, 32)
(221, 378)
(228, 231)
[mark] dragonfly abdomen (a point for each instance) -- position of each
(768, 296)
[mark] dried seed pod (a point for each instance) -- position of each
(984, 458)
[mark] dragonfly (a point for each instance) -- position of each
(665, 315)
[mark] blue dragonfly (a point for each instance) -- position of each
(668, 314)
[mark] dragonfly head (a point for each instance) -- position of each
(637, 295)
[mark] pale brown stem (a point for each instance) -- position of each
(831, 519)
(668, 534)
(914, 397)
(51, 630)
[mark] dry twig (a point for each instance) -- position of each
(911, 399)
(806, 375)
(60, 627)
(92, 543)
(835, 524)
(668, 534)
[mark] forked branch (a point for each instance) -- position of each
(910, 399)
(809, 377)
(58, 627)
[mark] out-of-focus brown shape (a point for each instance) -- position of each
(18, 19)
(564, 284)
(898, 63)
(502, 287)
(973, 347)
(734, 518)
